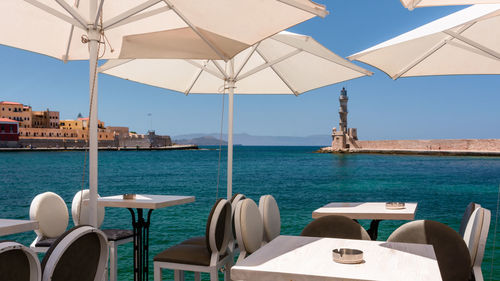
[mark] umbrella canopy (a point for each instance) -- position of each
(93, 29)
(55, 27)
(286, 63)
(411, 4)
(465, 42)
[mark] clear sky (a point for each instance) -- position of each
(408, 108)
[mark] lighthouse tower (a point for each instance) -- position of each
(343, 138)
(343, 99)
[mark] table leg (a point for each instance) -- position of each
(141, 244)
(373, 230)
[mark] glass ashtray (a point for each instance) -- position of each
(129, 196)
(395, 205)
(348, 256)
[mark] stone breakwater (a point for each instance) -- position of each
(480, 147)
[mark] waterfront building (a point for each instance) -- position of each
(9, 132)
(45, 119)
(16, 111)
(23, 127)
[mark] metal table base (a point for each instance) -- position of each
(141, 244)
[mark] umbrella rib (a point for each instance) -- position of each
(472, 50)
(112, 64)
(222, 71)
(197, 76)
(66, 55)
(268, 63)
(205, 68)
(337, 60)
(72, 29)
(75, 14)
(413, 4)
(279, 75)
(195, 29)
(56, 13)
(473, 43)
(137, 17)
(127, 14)
(246, 60)
(315, 11)
(430, 52)
(99, 11)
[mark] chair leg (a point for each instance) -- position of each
(214, 276)
(227, 270)
(178, 275)
(113, 266)
(478, 274)
(197, 276)
(227, 274)
(157, 272)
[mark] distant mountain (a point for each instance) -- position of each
(203, 140)
(246, 139)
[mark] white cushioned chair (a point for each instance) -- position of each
(208, 257)
(270, 217)
(115, 237)
(50, 210)
(249, 227)
(475, 236)
(465, 218)
(18, 263)
(451, 251)
(334, 226)
(80, 254)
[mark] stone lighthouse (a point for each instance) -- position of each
(343, 138)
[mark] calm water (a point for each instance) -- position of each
(300, 180)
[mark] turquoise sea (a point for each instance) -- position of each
(299, 179)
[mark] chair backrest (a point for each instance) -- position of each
(270, 213)
(218, 231)
(50, 210)
(451, 252)
(80, 254)
(234, 201)
(80, 211)
(334, 226)
(465, 218)
(476, 233)
(249, 227)
(18, 262)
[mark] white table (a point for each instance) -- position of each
(141, 226)
(309, 258)
(375, 211)
(8, 226)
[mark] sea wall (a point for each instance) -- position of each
(433, 145)
(60, 143)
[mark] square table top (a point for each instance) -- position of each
(9, 226)
(144, 201)
(366, 210)
(310, 258)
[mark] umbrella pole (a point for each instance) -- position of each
(94, 37)
(230, 133)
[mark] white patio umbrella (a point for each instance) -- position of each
(286, 63)
(465, 42)
(411, 4)
(93, 29)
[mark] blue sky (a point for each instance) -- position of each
(408, 108)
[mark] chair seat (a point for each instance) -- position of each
(118, 234)
(198, 240)
(186, 254)
(45, 242)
